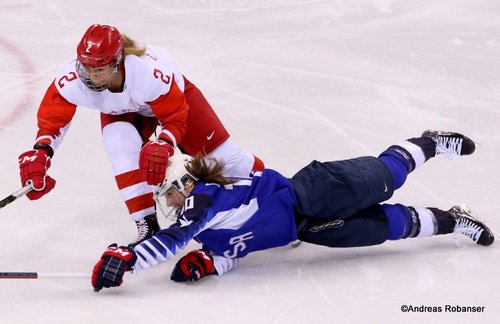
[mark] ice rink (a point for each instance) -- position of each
(292, 80)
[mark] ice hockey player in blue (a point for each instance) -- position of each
(336, 204)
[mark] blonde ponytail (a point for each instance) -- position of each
(131, 47)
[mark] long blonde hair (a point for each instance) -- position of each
(131, 47)
(208, 170)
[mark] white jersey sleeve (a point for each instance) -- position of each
(223, 265)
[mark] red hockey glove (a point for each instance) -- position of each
(153, 161)
(193, 266)
(33, 166)
(109, 271)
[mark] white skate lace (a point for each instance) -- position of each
(468, 228)
(142, 231)
(450, 146)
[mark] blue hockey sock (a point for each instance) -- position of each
(400, 221)
(397, 165)
(406, 221)
(405, 157)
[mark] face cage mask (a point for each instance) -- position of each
(85, 77)
(172, 213)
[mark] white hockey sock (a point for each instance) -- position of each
(415, 151)
(428, 222)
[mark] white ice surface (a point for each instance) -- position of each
(293, 80)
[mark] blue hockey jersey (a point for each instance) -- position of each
(230, 220)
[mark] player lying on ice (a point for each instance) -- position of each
(336, 204)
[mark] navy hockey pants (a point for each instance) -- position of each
(337, 202)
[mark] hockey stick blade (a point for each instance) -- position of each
(21, 192)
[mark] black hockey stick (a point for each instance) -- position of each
(18, 275)
(21, 192)
(42, 275)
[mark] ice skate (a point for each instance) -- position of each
(450, 144)
(146, 228)
(467, 224)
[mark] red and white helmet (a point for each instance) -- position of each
(101, 45)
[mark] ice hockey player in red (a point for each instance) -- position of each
(137, 89)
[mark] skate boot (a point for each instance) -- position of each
(450, 144)
(146, 228)
(466, 224)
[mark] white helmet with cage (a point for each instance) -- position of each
(176, 176)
